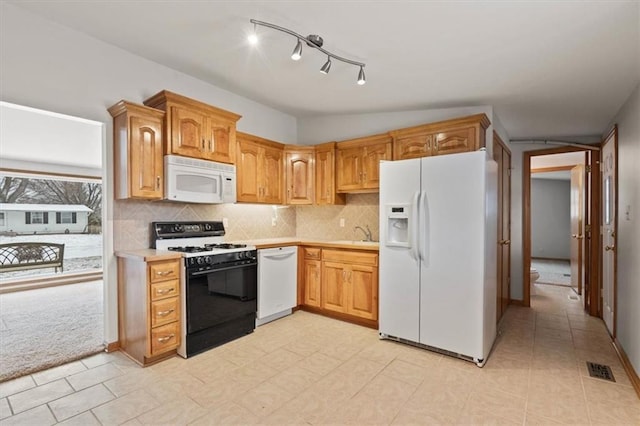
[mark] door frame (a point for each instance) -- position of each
(593, 279)
(499, 143)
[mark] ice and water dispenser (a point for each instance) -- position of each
(398, 219)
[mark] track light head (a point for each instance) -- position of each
(361, 79)
(297, 52)
(326, 67)
(253, 37)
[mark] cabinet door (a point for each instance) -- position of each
(220, 141)
(333, 287)
(187, 132)
(248, 164)
(362, 299)
(349, 169)
(414, 146)
(312, 287)
(299, 175)
(371, 164)
(454, 141)
(146, 162)
(272, 177)
(326, 179)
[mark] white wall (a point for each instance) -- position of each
(45, 65)
(550, 218)
(628, 241)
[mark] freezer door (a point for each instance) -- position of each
(399, 275)
(452, 230)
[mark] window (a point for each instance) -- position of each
(1, 218)
(36, 217)
(66, 217)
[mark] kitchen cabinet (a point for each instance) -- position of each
(445, 137)
(341, 283)
(299, 174)
(312, 267)
(358, 163)
(149, 307)
(325, 191)
(260, 170)
(195, 129)
(138, 155)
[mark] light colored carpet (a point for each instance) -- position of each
(47, 327)
(556, 272)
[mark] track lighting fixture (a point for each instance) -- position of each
(314, 41)
(327, 66)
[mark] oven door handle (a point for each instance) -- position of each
(210, 271)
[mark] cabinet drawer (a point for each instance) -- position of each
(359, 257)
(164, 338)
(164, 311)
(165, 289)
(162, 271)
(312, 253)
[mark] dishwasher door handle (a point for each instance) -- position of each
(279, 256)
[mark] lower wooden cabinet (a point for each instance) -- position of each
(149, 313)
(342, 283)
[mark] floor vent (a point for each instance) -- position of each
(600, 371)
(566, 275)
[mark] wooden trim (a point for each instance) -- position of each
(516, 302)
(112, 347)
(32, 284)
(549, 258)
(365, 141)
(595, 278)
(552, 169)
(633, 375)
(497, 139)
(258, 139)
(167, 96)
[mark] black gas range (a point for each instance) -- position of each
(219, 283)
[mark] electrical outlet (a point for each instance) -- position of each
(225, 222)
(273, 221)
(342, 222)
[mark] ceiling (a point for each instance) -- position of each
(550, 69)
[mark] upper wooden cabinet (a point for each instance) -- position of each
(358, 163)
(299, 174)
(138, 158)
(260, 171)
(326, 175)
(444, 137)
(195, 129)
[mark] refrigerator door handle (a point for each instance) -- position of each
(424, 228)
(414, 233)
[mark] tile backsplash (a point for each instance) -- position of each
(248, 221)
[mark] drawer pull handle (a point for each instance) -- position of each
(165, 290)
(164, 313)
(164, 273)
(165, 339)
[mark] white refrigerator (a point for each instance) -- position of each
(438, 238)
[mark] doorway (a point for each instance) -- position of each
(583, 244)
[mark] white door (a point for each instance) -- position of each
(609, 226)
(399, 274)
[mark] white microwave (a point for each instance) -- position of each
(190, 180)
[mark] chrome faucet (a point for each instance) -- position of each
(367, 233)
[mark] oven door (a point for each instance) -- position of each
(217, 296)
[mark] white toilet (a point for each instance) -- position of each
(533, 277)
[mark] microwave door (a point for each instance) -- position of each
(195, 187)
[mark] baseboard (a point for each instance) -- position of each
(516, 302)
(550, 258)
(112, 347)
(633, 375)
(35, 283)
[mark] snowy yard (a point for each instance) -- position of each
(81, 252)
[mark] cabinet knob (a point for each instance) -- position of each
(609, 248)
(157, 182)
(165, 290)
(166, 338)
(164, 273)
(164, 313)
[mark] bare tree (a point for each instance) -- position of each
(65, 192)
(13, 189)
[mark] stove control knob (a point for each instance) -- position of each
(207, 260)
(241, 255)
(200, 260)
(207, 227)
(178, 228)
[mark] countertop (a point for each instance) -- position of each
(150, 255)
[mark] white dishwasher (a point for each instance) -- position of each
(277, 283)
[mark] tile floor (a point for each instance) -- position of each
(307, 369)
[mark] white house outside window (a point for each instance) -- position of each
(1, 218)
(37, 217)
(66, 217)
